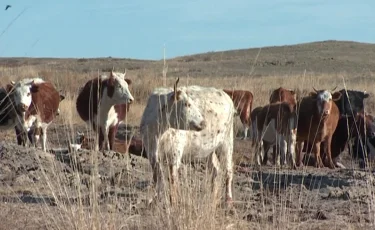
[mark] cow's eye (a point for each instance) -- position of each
(28, 94)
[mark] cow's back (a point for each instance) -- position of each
(45, 102)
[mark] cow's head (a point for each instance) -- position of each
(118, 88)
(324, 100)
(183, 113)
(351, 102)
(21, 94)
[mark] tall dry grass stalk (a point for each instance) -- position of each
(75, 209)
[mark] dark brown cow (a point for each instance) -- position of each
(103, 103)
(243, 101)
(254, 129)
(318, 116)
(36, 103)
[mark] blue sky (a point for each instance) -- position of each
(140, 28)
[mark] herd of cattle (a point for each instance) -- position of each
(182, 123)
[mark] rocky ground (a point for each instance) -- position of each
(57, 190)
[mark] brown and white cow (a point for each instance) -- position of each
(348, 128)
(36, 103)
(133, 146)
(243, 101)
(103, 103)
(318, 116)
(276, 124)
(279, 95)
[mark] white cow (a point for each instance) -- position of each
(186, 123)
(276, 124)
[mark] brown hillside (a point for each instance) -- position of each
(332, 57)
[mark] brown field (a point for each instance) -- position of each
(93, 190)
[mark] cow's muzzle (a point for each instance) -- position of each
(22, 107)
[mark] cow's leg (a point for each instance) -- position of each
(21, 135)
(102, 137)
(214, 169)
(291, 150)
(259, 152)
(174, 165)
(254, 133)
(266, 148)
(111, 136)
(44, 138)
(327, 148)
(31, 134)
(276, 151)
(299, 147)
(228, 154)
(318, 159)
(245, 130)
(157, 172)
(283, 148)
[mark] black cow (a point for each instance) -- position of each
(351, 102)
(7, 113)
(364, 155)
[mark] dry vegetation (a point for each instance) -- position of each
(267, 199)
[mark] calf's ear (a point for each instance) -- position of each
(336, 96)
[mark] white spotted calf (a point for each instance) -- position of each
(186, 123)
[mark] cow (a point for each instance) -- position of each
(254, 129)
(277, 124)
(187, 123)
(243, 101)
(279, 95)
(318, 116)
(36, 103)
(351, 102)
(8, 116)
(103, 103)
(349, 128)
(133, 146)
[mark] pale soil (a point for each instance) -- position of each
(42, 190)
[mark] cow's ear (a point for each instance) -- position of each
(34, 87)
(365, 95)
(313, 94)
(128, 81)
(336, 96)
(176, 96)
(9, 88)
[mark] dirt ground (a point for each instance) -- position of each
(49, 190)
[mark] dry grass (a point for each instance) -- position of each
(194, 211)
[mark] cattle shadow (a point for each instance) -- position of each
(283, 180)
